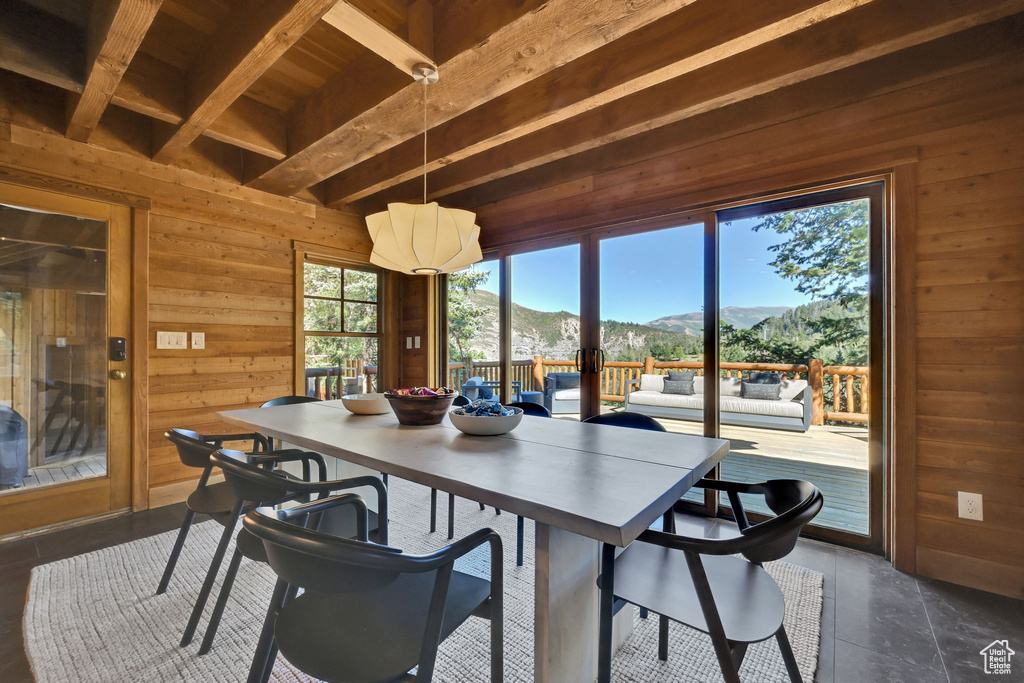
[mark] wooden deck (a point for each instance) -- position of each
(835, 459)
(90, 464)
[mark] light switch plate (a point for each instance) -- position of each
(416, 342)
(172, 340)
(198, 340)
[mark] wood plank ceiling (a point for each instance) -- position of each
(313, 98)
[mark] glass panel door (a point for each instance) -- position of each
(545, 329)
(652, 323)
(799, 337)
(473, 341)
(64, 360)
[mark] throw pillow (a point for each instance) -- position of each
(680, 376)
(765, 378)
(681, 386)
(763, 392)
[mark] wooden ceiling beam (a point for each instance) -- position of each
(643, 59)
(872, 31)
(250, 41)
(22, 253)
(39, 45)
(361, 28)
(527, 48)
(115, 32)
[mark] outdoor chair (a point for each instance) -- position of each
(562, 392)
(368, 612)
(698, 582)
(253, 484)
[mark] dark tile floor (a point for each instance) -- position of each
(877, 624)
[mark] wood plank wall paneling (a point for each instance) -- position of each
(969, 257)
(219, 262)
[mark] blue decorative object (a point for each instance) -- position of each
(483, 408)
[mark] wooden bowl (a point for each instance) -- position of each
(417, 411)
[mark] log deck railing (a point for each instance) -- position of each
(840, 392)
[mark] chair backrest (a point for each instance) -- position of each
(321, 563)
(288, 400)
(252, 483)
(530, 408)
(563, 380)
(630, 420)
(795, 503)
(193, 450)
(473, 388)
(461, 400)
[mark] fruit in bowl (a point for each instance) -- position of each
(365, 404)
(420, 405)
(485, 418)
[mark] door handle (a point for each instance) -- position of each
(118, 374)
(596, 360)
(581, 361)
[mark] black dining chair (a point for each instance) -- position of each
(254, 485)
(215, 500)
(460, 400)
(630, 420)
(698, 582)
(268, 460)
(530, 408)
(368, 612)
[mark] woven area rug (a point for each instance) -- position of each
(95, 617)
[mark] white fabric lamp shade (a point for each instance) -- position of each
(424, 239)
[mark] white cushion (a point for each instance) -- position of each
(792, 388)
(730, 386)
(567, 395)
(753, 406)
(656, 398)
(652, 383)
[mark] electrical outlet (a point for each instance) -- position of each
(970, 505)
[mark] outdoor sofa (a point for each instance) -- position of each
(791, 412)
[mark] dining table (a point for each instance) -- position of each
(583, 485)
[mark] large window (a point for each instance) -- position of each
(341, 328)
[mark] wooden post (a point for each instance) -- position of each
(649, 365)
(816, 379)
(538, 373)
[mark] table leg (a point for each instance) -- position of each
(566, 608)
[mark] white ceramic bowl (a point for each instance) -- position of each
(486, 425)
(366, 404)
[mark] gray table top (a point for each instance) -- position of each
(606, 483)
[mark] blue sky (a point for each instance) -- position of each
(653, 274)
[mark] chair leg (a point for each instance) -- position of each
(482, 507)
(211, 575)
(179, 542)
(520, 524)
(433, 510)
(222, 601)
(451, 516)
(663, 637)
(644, 613)
(266, 639)
(787, 655)
(497, 511)
(723, 650)
(606, 610)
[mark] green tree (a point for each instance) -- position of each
(826, 253)
(465, 317)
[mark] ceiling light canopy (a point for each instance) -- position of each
(427, 238)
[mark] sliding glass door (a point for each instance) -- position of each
(762, 324)
(801, 339)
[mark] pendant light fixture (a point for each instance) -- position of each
(424, 239)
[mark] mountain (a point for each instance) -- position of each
(737, 316)
(555, 334)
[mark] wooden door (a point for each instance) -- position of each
(65, 394)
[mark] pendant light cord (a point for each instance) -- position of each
(424, 141)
